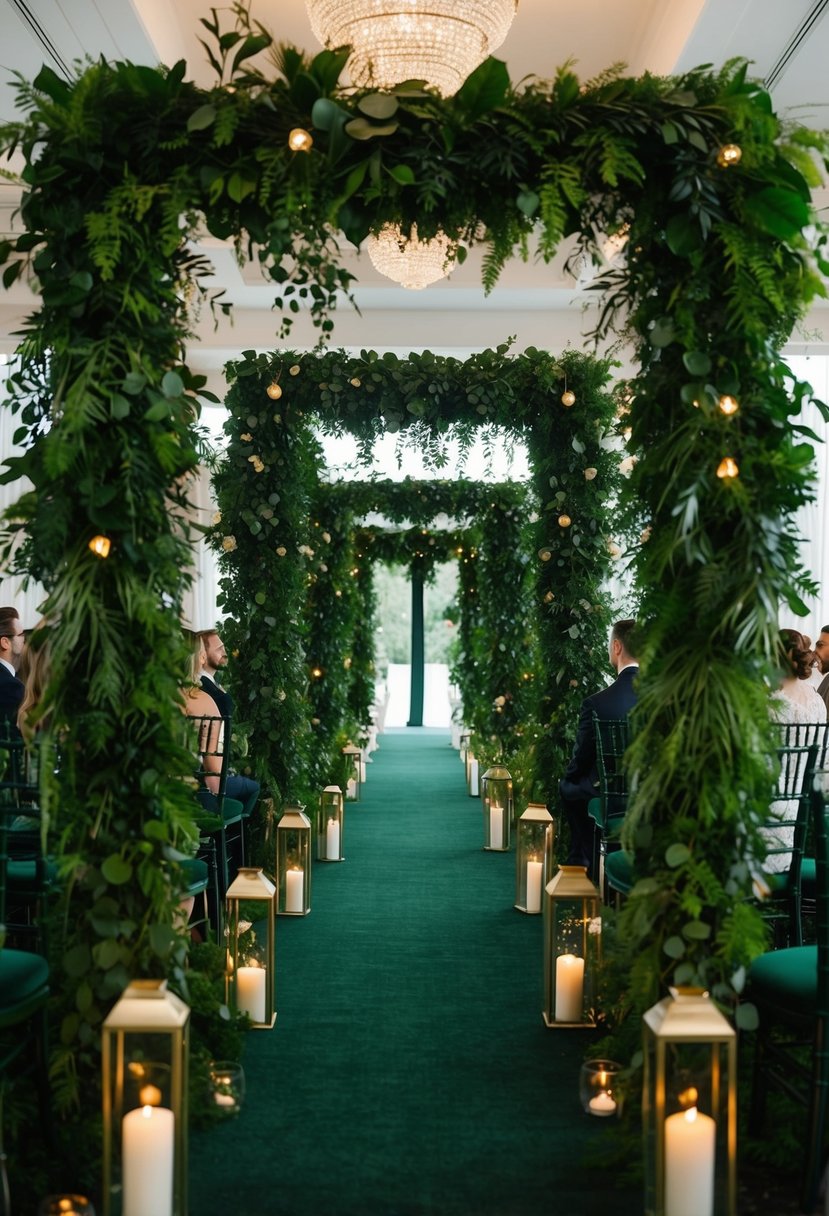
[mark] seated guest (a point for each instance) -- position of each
(796, 699)
(215, 656)
(35, 666)
(199, 704)
(11, 650)
(580, 782)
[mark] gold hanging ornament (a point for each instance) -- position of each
(728, 155)
(274, 391)
(568, 397)
(564, 521)
(728, 405)
(300, 140)
(728, 468)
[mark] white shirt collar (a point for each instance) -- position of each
(8, 667)
(626, 666)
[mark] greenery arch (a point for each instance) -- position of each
(281, 529)
(123, 164)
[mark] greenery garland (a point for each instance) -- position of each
(723, 257)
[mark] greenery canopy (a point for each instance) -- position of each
(125, 164)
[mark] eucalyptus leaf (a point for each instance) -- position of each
(674, 947)
(116, 870)
(361, 128)
(677, 855)
(202, 118)
(697, 362)
(378, 105)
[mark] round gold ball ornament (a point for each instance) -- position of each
(568, 397)
(274, 391)
(300, 140)
(564, 521)
(729, 155)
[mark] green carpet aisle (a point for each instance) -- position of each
(409, 1072)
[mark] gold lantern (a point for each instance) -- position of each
(293, 863)
(145, 1063)
(497, 800)
(533, 856)
(354, 784)
(572, 948)
(251, 963)
(689, 1106)
(331, 823)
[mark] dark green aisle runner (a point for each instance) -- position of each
(409, 1072)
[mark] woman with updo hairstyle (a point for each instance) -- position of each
(797, 699)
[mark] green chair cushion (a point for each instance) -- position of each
(595, 809)
(23, 874)
(785, 982)
(618, 868)
(232, 811)
(24, 985)
(808, 878)
(196, 874)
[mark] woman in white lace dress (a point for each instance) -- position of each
(795, 703)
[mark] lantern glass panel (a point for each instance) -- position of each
(354, 782)
(293, 863)
(251, 946)
(498, 808)
(689, 1107)
(331, 823)
(533, 851)
(144, 1083)
(572, 948)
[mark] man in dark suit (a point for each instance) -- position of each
(215, 656)
(579, 784)
(243, 789)
(11, 648)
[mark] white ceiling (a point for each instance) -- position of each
(787, 42)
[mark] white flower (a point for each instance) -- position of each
(326, 536)
(626, 465)
(294, 371)
(646, 534)
(281, 551)
(613, 549)
(590, 473)
(228, 543)
(217, 517)
(246, 438)
(500, 701)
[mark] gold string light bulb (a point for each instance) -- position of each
(729, 155)
(100, 546)
(300, 140)
(728, 468)
(728, 405)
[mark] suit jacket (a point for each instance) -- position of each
(224, 701)
(11, 692)
(582, 776)
(823, 690)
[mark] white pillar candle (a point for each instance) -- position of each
(351, 789)
(250, 992)
(690, 1149)
(294, 881)
(473, 777)
(496, 827)
(602, 1105)
(332, 840)
(147, 1147)
(569, 988)
(534, 871)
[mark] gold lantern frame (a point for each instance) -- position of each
(144, 1011)
(534, 841)
(251, 886)
(331, 808)
(687, 1026)
(572, 931)
(293, 853)
(497, 799)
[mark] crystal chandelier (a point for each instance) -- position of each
(439, 41)
(409, 261)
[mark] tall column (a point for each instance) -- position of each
(416, 697)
